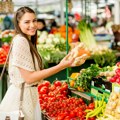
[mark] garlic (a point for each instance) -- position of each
(118, 109)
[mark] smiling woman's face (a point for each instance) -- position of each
(28, 24)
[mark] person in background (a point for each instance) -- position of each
(26, 65)
(41, 25)
(109, 25)
(7, 23)
(53, 28)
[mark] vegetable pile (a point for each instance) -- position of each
(58, 105)
(83, 81)
(51, 47)
(112, 110)
(103, 56)
(6, 35)
(116, 77)
(99, 109)
(3, 56)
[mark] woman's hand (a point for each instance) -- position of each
(80, 60)
(69, 61)
(66, 62)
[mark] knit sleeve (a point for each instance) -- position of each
(21, 54)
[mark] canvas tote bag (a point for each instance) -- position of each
(13, 115)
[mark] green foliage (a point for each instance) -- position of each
(50, 54)
(86, 35)
(6, 39)
(85, 78)
(107, 58)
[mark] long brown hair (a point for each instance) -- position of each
(33, 49)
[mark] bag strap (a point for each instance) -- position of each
(3, 70)
(21, 96)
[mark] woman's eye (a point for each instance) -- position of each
(26, 22)
(35, 21)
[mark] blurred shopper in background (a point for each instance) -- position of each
(7, 23)
(41, 25)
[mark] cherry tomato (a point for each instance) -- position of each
(91, 106)
(118, 64)
(43, 90)
(117, 71)
(57, 83)
(39, 87)
(46, 83)
(52, 88)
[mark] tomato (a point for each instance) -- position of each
(46, 83)
(43, 90)
(92, 118)
(81, 100)
(40, 101)
(42, 96)
(113, 79)
(79, 114)
(50, 94)
(118, 64)
(57, 83)
(39, 87)
(118, 80)
(117, 71)
(52, 99)
(64, 87)
(60, 117)
(91, 106)
(72, 114)
(64, 93)
(67, 118)
(52, 88)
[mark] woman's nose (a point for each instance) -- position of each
(32, 24)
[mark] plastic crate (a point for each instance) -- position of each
(98, 92)
(100, 83)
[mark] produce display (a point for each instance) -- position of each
(3, 56)
(83, 81)
(116, 77)
(55, 99)
(103, 56)
(6, 35)
(51, 47)
(99, 109)
(3, 53)
(112, 110)
(56, 103)
(73, 33)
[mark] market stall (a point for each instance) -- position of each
(89, 91)
(92, 86)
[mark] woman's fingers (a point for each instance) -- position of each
(80, 60)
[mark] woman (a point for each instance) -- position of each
(25, 65)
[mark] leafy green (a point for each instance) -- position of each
(86, 35)
(107, 58)
(50, 54)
